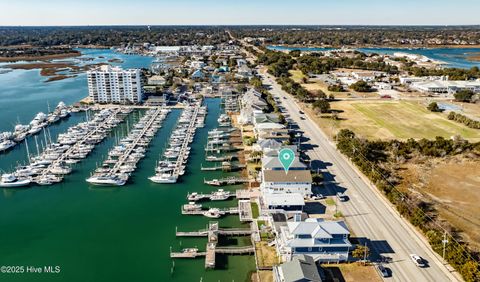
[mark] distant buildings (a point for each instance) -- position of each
(115, 85)
(446, 86)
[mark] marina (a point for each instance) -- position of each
(175, 157)
(219, 195)
(41, 121)
(50, 166)
(122, 159)
(212, 232)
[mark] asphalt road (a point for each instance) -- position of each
(367, 212)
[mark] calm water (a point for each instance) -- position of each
(454, 57)
(105, 234)
(23, 93)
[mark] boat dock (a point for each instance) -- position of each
(176, 156)
(212, 232)
(226, 181)
(225, 166)
(122, 159)
(219, 195)
(212, 213)
(98, 128)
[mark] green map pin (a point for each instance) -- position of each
(286, 157)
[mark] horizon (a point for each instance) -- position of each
(247, 12)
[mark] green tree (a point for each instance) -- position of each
(464, 96)
(322, 105)
(361, 86)
(359, 252)
(470, 271)
(433, 107)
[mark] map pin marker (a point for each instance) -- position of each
(286, 157)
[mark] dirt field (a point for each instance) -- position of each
(352, 272)
(266, 255)
(393, 119)
(456, 197)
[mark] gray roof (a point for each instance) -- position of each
(283, 199)
(273, 162)
(301, 268)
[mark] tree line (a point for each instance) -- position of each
(112, 35)
(374, 159)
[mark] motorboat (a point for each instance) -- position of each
(164, 178)
(106, 180)
(11, 181)
(7, 144)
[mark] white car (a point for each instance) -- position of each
(417, 260)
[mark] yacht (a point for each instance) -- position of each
(164, 178)
(220, 195)
(7, 144)
(106, 180)
(213, 213)
(11, 181)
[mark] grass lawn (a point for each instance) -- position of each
(297, 75)
(330, 201)
(409, 120)
(392, 120)
(266, 255)
(255, 210)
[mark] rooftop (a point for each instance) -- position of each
(291, 176)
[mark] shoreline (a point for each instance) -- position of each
(377, 46)
(40, 58)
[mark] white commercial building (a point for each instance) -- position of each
(115, 85)
(446, 86)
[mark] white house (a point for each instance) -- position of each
(295, 181)
(325, 241)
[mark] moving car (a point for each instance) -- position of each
(418, 260)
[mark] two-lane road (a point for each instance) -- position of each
(367, 212)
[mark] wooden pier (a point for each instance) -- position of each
(212, 233)
(226, 181)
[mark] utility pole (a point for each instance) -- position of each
(444, 241)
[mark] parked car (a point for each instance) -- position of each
(302, 118)
(418, 260)
(383, 271)
(301, 112)
(317, 197)
(342, 197)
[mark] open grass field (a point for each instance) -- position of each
(455, 197)
(393, 120)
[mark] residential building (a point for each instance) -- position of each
(109, 84)
(302, 268)
(284, 201)
(325, 241)
(279, 181)
(156, 80)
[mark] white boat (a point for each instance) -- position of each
(7, 144)
(11, 181)
(213, 213)
(106, 180)
(163, 178)
(34, 130)
(60, 170)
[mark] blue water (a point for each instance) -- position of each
(23, 93)
(453, 57)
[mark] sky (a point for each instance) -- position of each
(239, 12)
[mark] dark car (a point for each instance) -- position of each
(302, 118)
(301, 112)
(383, 271)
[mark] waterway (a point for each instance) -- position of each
(107, 234)
(453, 57)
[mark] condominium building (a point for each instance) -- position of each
(109, 84)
